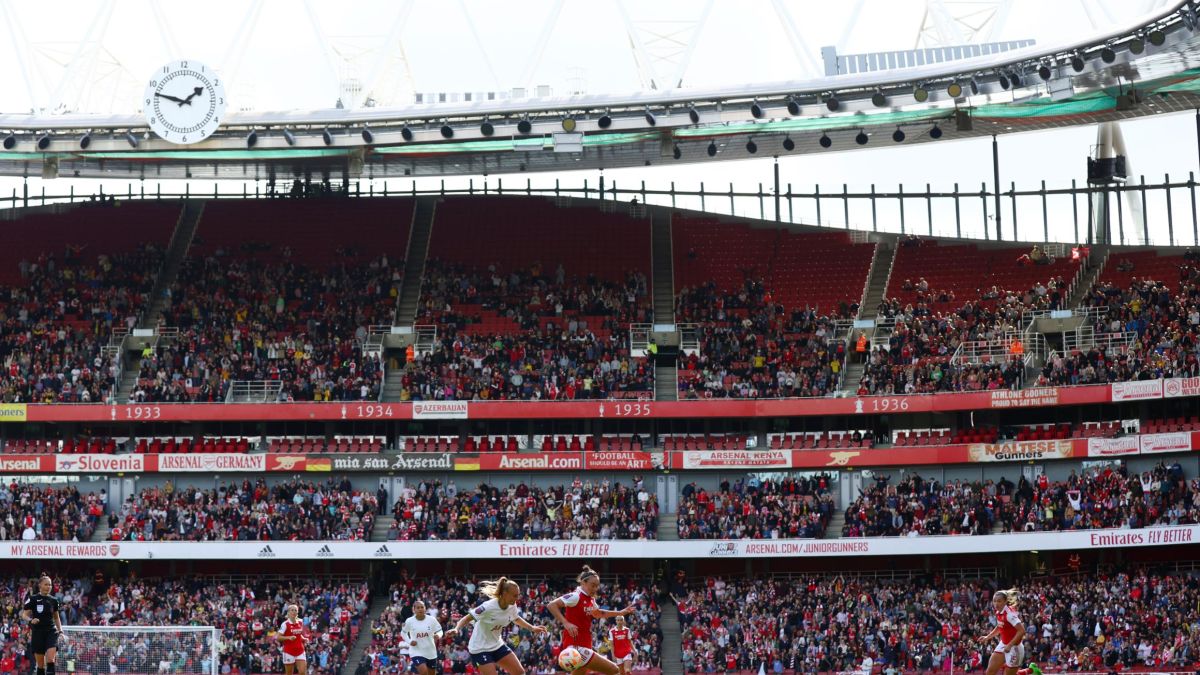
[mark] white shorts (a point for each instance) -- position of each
(587, 655)
(1014, 656)
(289, 659)
(623, 659)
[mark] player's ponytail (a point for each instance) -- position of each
(586, 574)
(495, 589)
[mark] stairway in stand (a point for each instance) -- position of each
(181, 241)
(666, 385)
(379, 603)
(663, 261)
(668, 527)
(672, 642)
(414, 263)
(379, 530)
(836, 520)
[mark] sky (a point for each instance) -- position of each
(293, 54)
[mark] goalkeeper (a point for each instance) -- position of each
(41, 611)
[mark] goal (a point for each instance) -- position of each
(144, 650)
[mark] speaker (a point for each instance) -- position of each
(963, 121)
(1106, 170)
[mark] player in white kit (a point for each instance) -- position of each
(421, 632)
(487, 646)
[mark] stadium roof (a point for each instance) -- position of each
(1149, 67)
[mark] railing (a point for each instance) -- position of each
(1084, 340)
(689, 339)
(885, 328)
(1000, 349)
(374, 342)
(1025, 214)
(254, 391)
(426, 338)
(639, 339)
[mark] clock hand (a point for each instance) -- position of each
(170, 98)
(195, 92)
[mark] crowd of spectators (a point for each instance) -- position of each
(1108, 497)
(757, 509)
(549, 337)
(1092, 621)
(55, 323)
(580, 510)
(446, 599)
(32, 511)
(246, 613)
(245, 319)
(1148, 329)
(246, 511)
(753, 347)
(922, 340)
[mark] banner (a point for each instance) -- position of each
(1178, 441)
(1024, 398)
(619, 460)
(1137, 391)
(524, 461)
(628, 549)
(543, 410)
(13, 412)
(1111, 447)
(1018, 451)
(100, 463)
(211, 462)
(439, 410)
(26, 464)
(287, 462)
(1174, 387)
(856, 459)
(732, 459)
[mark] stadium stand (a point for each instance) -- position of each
(245, 511)
(1146, 323)
(255, 303)
(38, 512)
(582, 510)
(67, 288)
(1093, 621)
(1095, 499)
(547, 322)
(754, 509)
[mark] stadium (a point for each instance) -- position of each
(307, 379)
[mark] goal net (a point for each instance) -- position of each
(138, 650)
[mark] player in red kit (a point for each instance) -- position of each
(293, 636)
(575, 611)
(1009, 652)
(620, 644)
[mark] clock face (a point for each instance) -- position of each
(184, 102)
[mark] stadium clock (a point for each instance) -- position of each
(184, 102)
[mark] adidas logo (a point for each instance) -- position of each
(383, 552)
(266, 552)
(325, 552)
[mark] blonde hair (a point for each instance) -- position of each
(587, 572)
(495, 589)
(1010, 596)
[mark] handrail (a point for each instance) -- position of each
(969, 200)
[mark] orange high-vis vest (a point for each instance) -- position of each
(862, 343)
(1017, 348)
(410, 354)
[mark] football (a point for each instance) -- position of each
(570, 659)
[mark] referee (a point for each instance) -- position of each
(41, 611)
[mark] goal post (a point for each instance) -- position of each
(139, 650)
